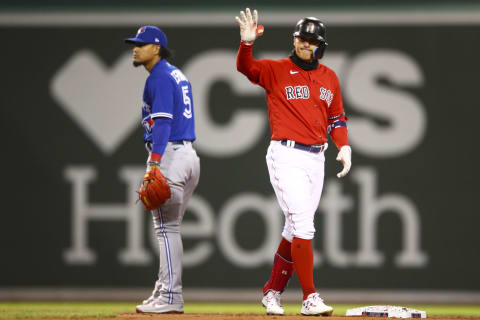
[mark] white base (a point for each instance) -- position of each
(387, 312)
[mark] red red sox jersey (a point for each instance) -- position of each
(303, 106)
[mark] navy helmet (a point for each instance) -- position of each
(312, 28)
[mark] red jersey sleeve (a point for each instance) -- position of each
(255, 70)
(337, 120)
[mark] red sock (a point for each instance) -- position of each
(302, 254)
(285, 249)
(282, 269)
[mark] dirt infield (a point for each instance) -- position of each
(206, 316)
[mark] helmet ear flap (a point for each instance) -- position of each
(320, 50)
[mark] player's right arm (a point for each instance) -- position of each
(246, 64)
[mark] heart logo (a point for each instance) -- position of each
(104, 102)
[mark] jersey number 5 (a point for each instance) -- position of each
(187, 102)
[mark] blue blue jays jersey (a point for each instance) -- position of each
(168, 94)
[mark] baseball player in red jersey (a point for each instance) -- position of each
(304, 105)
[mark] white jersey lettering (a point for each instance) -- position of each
(297, 92)
(326, 95)
(178, 76)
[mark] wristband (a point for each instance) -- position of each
(156, 157)
(154, 163)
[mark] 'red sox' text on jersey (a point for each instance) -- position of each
(302, 105)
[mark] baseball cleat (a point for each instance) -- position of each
(154, 295)
(271, 302)
(314, 306)
(159, 307)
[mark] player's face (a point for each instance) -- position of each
(144, 53)
(304, 48)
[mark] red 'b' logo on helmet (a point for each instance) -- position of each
(310, 27)
(141, 30)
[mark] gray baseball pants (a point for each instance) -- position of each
(181, 167)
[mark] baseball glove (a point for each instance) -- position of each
(154, 190)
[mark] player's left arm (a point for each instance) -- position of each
(162, 92)
(155, 189)
(337, 128)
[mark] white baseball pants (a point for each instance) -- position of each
(297, 178)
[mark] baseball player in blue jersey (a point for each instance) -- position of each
(168, 119)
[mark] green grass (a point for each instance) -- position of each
(31, 310)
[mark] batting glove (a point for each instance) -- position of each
(248, 25)
(345, 157)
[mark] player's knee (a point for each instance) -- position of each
(304, 230)
(287, 229)
(163, 230)
(287, 235)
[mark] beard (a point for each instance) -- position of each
(137, 63)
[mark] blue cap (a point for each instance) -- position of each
(149, 34)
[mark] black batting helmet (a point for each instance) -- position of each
(313, 28)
